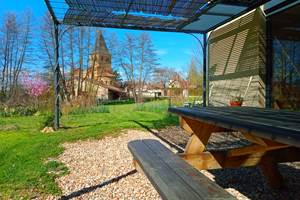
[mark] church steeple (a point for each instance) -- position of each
(100, 45)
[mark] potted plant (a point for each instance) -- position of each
(236, 101)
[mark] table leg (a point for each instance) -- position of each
(201, 133)
(269, 169)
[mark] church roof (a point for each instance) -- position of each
(100, 45)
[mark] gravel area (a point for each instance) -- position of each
(102, 169)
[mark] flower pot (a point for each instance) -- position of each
(236, 103)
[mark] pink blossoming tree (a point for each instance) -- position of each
(34, 86)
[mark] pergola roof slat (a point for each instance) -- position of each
(197, 16)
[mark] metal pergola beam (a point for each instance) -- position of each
(204, 70)
(56, 74)
(137, 28)
(55, 20)
(269, 63)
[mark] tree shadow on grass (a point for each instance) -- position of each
(94, 187)
(82, 126)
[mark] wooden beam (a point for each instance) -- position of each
(254, 149)
(254, 139)
(224, 159)
(203, 160)
(194, 145)
(202, 130)
(200, 134)
(269, 144)
(218, 160)
(185, 126)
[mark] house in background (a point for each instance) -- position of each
(99, 77)
(178, 87)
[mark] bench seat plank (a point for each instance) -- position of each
(172, 177)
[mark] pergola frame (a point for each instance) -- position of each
(207, 10)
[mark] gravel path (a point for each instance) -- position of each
(102, 169)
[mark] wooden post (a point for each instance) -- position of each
(56, 71)
(270, 171)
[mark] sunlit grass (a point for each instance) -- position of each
(25, 150)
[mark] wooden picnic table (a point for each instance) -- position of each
(274, 137)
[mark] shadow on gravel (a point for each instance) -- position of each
(94, 187)
(157, 135)
(250, 182)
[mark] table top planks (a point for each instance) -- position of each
(278, 125)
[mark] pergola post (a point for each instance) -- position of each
(204, 100)
(56, 71)
(269, 63)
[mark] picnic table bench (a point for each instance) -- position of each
(273, 135)
(172, 177)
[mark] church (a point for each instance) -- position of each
(99, 77)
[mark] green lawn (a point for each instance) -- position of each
(24, 150)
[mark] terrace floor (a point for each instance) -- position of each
(102, 169)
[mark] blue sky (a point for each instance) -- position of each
(173, 49)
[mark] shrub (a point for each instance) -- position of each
(149, 99)
(49, 120)
(2, 111)
(17, 111)
(116, 102)
(24, 111)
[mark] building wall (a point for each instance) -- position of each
(99, 91)
(237, 61)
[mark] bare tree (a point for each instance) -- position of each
(164, 75)
(47, 44)
(15, 46)
(81, 58)
(47, 52)
(137, 58)
(71, 58)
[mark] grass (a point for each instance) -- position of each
(96, 109)
(24, 150)
(151, 106)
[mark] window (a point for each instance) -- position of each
(286, 59)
